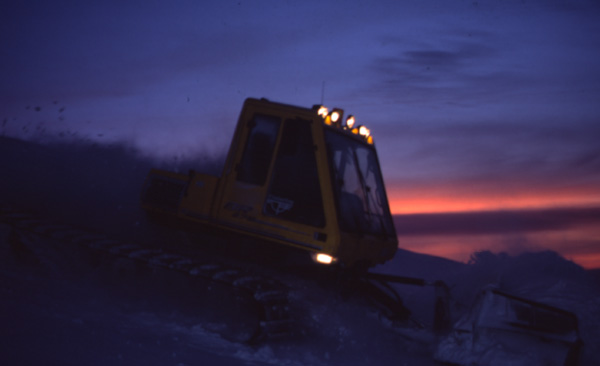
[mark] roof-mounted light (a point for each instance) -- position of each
(350, 121)
(321, 110)
(364, 132)
(335, 116)
(335, 119)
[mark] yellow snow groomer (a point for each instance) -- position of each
(300, 177)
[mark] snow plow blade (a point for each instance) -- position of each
(504, 329)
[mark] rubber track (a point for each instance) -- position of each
(270, 295)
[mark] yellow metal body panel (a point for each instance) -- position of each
(199, 196)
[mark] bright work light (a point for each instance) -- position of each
(322, 111)
(350, 121)
(323, 258)
(335, 116)
(364, 132)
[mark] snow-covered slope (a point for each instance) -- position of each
(57, 310)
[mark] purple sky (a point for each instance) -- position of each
(473, 104)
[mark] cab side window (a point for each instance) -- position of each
(258, 152)
(294, 192)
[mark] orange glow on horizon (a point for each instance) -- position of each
(568, 242)
(440, 200)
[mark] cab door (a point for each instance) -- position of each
(294, 192)
(272, 186)
(248, 167)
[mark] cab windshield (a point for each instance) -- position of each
(358, 186)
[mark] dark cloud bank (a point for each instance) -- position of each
(496, 222)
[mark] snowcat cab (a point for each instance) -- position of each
(301, 177)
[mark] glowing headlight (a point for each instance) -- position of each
(322, 111)
(323, 258)
(335, 116)
(364, 132)
(350, 121)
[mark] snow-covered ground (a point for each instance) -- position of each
(58, 310)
